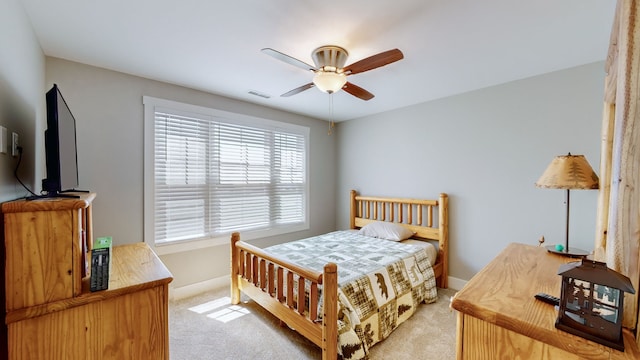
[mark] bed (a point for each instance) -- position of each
(273, 277)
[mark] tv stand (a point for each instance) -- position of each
(74, 190)
(65, 194)
(53, 196)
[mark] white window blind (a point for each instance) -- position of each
(213, 176)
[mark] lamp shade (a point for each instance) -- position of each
(568, 172)
(329, 81)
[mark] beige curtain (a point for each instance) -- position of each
(618, 223)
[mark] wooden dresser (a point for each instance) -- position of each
(50, 311)
(498, 316)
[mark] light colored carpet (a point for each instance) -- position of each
(196, 334)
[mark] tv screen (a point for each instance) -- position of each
(60, 146)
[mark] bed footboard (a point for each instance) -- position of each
(270, 282)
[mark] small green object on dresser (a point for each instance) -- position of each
(100, 263)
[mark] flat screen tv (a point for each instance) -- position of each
(60, 146)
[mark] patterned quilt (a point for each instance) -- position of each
(381, 282)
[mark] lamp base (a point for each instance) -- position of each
(571, 252)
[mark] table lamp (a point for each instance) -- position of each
(569, 172)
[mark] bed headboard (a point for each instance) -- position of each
(414, 214)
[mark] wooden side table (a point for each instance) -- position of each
(498, 316)
(127, 321)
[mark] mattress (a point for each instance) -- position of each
(429, 247)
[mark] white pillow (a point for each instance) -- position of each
(386, 230)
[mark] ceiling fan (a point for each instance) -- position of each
(330, 72)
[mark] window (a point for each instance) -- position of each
(209, 173)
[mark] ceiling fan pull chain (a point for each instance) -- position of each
(332, 124)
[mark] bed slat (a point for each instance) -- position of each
(254, 273)
(290, 289)
(240, 262)
(263, 274)
(301, 296)
(279, 286)
(313, 302)
(247, 266)
(271, 279)
(392, 207)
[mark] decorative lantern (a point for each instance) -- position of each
(591, 302)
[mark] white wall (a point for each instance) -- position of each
(485, 149)
(21, 98)
(108, 109)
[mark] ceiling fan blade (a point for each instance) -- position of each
(288, 59)
(357, 91)
(298, 90)
(375, 61)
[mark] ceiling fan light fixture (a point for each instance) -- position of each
(330, 72)
(329, 82)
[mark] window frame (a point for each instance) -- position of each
(150, 104)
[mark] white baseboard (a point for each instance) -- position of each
(456, 284)
(198, 288)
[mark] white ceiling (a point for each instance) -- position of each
(450, 46)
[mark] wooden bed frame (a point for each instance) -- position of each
(253, 271)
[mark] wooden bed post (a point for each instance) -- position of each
(235, 290)
(352, 219)
(443, 226)
(330, 312)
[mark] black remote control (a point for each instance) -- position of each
(547, 298)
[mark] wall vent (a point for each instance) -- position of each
(262, 95)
